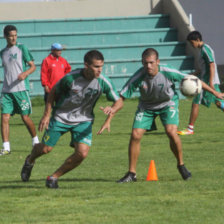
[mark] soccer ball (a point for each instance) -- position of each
(190, 85)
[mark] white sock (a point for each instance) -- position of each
(6, 146)
(35, 140)
(190, 127)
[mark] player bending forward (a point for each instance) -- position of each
(157, 98)
(209, 74)
(75, 96)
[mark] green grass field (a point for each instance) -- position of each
(90, 194)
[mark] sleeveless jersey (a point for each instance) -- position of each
(206, 57)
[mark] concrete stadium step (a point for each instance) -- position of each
(119, 80)
(124, 66)
(118, 71)
(121, 39)
(89, 24)
(96, 38)
(165, 49)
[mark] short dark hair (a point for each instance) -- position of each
(148, 52)
(91, 55)
(194, 35)
(9, 28)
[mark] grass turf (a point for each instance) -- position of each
(89, 194)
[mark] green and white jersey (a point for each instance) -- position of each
(14, 61)
(206, 57)
(76, 97)
(156, 92)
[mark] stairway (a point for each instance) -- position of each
(120, 39)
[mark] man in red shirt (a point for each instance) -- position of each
(53, 68)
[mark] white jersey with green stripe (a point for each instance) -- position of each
(76, 96)
(206, 57)
(14, 61)
(156, 92)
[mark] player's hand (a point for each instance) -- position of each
(22, 76)
(46, 89)
(106, 125)
(44, 123)
(107, 110)
(219, 95)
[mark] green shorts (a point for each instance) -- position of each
(80, 133)
(146, 119)
(206, 98)
(16, 103)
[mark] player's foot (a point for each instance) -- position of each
(51, 182)
(184, 172)
(128, 177)
(185, 132)
(26, 170)
(4, 152)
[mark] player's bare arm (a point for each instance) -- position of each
(110, 111)
(114, 108)
(212, 74)
(31, 69)
(45, 120)
(209, 89)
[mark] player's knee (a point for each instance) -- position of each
(5, 118)
(171, 131)
(82, 151)
(83, 154)
(136, 136)
(77, 158)
(25, 118)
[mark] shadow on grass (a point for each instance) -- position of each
(40, 183)
(146, 133)
(19, 187)
(19, 184)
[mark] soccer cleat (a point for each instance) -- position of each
(4, 152)
(26, 170)
(51, 182)
(129, 177)
(185, 132)
(184, 172)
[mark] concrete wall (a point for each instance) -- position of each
(208, 17)
(179, 20)
(74, 9)
(98, 8)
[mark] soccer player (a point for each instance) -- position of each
(75, 96)
(158, 97)
(15, 91)
(208, 73)
(53, 68)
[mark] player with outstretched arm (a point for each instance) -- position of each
(208, 73)
(75, 96)
(158, 97)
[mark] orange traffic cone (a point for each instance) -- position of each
(152, 175)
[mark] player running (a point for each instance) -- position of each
(75, 96)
